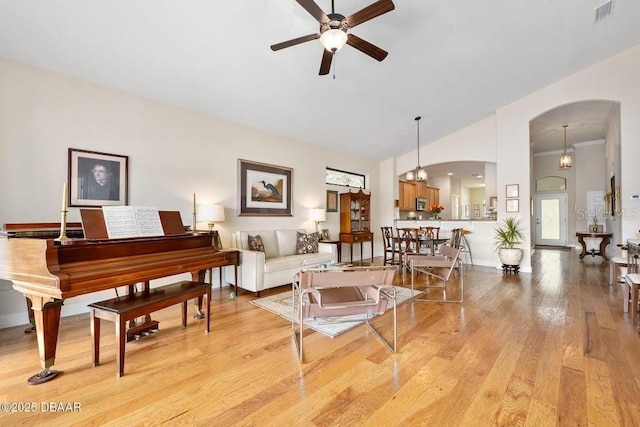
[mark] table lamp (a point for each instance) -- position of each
(317, 215)
(210, 213)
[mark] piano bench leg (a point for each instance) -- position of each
(121, 337)
(95, 337)
(184, 314)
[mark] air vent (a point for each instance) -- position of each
(603, 11)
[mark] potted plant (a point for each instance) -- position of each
(508, 236)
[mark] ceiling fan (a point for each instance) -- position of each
(333, 31)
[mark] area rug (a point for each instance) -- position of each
(280, 304)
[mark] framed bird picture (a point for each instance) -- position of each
(264, 190)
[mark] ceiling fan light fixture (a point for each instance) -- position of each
(333, 39)
(565, 159)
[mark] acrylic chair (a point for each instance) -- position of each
(329, 295)
(440, 267)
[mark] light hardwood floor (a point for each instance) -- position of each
(549, 348)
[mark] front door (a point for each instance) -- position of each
(551, 219)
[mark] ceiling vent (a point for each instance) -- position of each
(603, 11)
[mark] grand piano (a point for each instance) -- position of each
(48, 271)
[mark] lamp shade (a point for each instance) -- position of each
(317, 214)
(210, 213)
(333, 40)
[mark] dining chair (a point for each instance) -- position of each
(392, 246)
(440, 267)
(338, 295)
(410, 242)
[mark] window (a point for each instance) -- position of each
(551, 183)
(344, 178)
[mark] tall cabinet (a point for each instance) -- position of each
(355, 220)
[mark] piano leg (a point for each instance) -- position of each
(32, 319)
(46, 312)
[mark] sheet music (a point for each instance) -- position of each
(148, 221)
(132, 221)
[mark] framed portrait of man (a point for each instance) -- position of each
(97, 179)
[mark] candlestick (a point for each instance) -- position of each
(64, 196)
(194, 212)
(63, 215)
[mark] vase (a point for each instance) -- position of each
(436, 216)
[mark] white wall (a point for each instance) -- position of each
(504, 137)
(172, 153)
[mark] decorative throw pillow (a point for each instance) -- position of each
(301, 243)
(255, 243)
(313, 241)
(307, 243)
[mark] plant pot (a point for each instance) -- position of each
(510, 256)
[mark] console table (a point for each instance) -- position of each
(605, 239)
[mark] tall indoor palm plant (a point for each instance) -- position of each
(508, 236)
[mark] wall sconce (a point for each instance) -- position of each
(210, 213)
(317, 215)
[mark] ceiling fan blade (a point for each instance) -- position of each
(365, 47)
(294, 42)
(314, 10)
(373, 10)
(325, 65)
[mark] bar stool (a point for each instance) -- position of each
(615, 264)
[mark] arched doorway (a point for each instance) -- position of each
(595, 156)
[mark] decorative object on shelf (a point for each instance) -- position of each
(264, 190)
(97, 179)
(210, 213)
(419, 174)
(435, 210)
(565, 159)
(325, 234)
(508, 236)
(332, 201)
(317, 215)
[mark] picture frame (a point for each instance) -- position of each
(332, 201)
(97, 179)
(512, 190)
(513, 205)
(325, 234)
(217, 241)
(264, 189)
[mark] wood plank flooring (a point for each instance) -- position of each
(543, 349)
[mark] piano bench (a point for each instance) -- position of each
(128, 307)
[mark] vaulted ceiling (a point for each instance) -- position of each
(452, 62)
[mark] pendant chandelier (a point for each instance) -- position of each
(565, 159)
(419, 174)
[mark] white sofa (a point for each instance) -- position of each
(278, 264)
